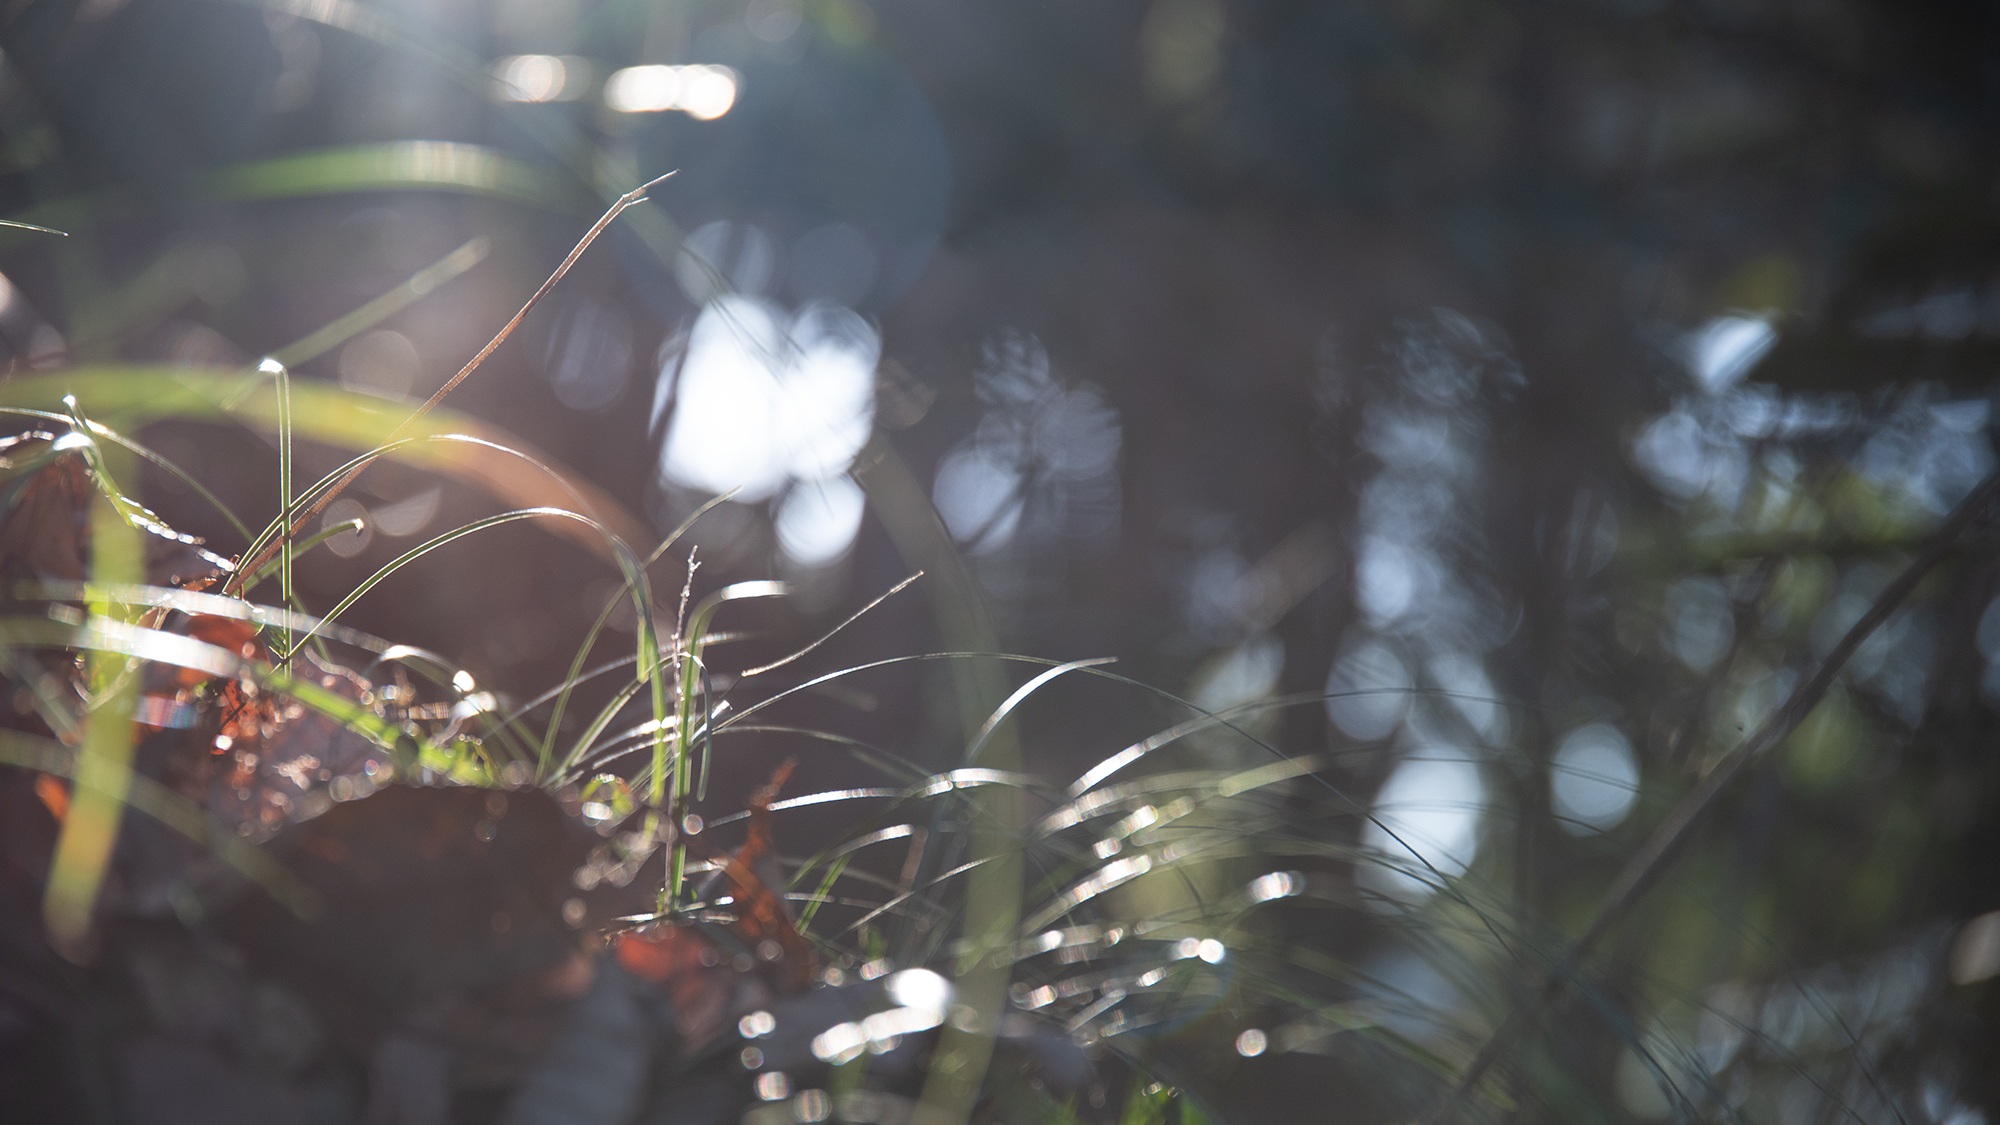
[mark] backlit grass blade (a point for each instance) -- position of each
(446, 539)
(212, 605)
(98, 429)
(132, 395)
(1006, 708)
(603, 618)
(283, 376)
(449, 166)
(900, 768)
(835, 631)
(117, 638)
(285, 517)
(692, 668)
(604, 718)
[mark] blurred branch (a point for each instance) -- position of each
(1667, 841)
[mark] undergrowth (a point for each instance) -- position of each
(1167, 919)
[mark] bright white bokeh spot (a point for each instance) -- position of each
(1211, 951)
(701, 92)
(773, 1085)
(1278, 884)
(539, 78)
(708, 93)
(760, 401)
(830, 390)
(921, 989)
(1673, 452)
(1727, 347)
(1594, 779)
(980, 498)
(1383, 579)
(643, 89)
(1395, 583)
(1368, 692)
(817, 520)
(1251, 1043)
(1428, 810)
(1975, 954)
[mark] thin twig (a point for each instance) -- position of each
(1666, 842)
(630, 199)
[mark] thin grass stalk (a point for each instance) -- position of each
(285, 546)
(651, 661)
(603, 618)
(434, 543)
(683, 665)
(99, 430)
(629, 199)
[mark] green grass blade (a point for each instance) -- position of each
(98, 429)
(835, 631)
(285, 592)
(160, 647)
(445, 539)
(1006, 708)
(590, 639)
(449, 166)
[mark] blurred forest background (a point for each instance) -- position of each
(1525, 395)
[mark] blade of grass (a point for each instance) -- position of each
(277, 524)
(212, 605)
(386, 166)
(30, 226)
(134, 394)
(603, 618)
(285, 593)
(835, 631)
(98, 429)
(1021, 694)
(452, 536)
(629, 199)
(116, 638)
(355, 525)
